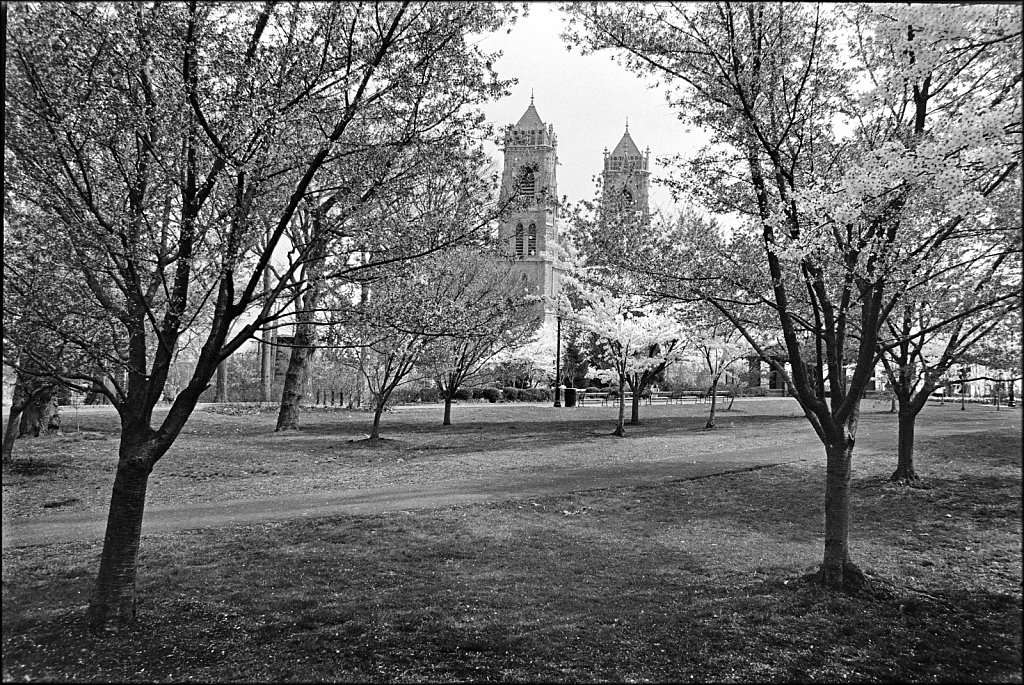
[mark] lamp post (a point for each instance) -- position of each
(963, 376)
(558, 363)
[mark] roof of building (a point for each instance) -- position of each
(626, 147)
(530, 121)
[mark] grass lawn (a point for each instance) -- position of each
(685, 580)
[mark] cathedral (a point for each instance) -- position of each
(531, 230)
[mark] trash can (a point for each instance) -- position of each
(570, 397)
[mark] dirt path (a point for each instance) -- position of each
(378, 500)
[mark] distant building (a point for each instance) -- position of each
(530, 231)
(625, 180)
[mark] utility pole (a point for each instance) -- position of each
(558, 363)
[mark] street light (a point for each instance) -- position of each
(963, 387)
(558, 363)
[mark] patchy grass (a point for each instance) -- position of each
(688, 580)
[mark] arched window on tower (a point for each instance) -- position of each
(532, 240)
(519, 241)
(527, 182)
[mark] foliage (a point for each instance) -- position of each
(862, 145)
(634, 340)
(481, 306)
(161, 154)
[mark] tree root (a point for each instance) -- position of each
(853, 578)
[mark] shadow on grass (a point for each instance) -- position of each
(504, 593)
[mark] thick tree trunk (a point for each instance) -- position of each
(620, 428)
(222, 382)
(905, 472)
(714, 397)
(304, 346)
(112, 604)
(11, 432)
(447, 410)
(837, 571)
(20, 399)
(378, 411)
(634, 415)
(40, 413)
(295, 381)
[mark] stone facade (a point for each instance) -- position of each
(625, 179)
(530, 230)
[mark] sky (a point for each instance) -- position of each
(588, 99)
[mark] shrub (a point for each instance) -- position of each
(404, 396)
(593, 388)
(463, 394)
(492, 395)
(429, 395)
(756, 391)
(536, 394)
(510, 394)
(478, 393)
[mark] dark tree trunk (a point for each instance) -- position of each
(714, 395)
(40, 413)
(620, 428)
(21, 398)
(304, 344)
(447, 409)
(266, 367)
(11, 433)
(634, 416)
(295, 381)
(222, 382)
(112, 604)
(905, 472)
(375, 429)
(837, 571)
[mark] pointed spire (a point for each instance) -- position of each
(627, 124)
(531, 96)
(626, 146)
(530, 120)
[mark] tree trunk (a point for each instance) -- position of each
(905, 472)
(714, 396)
(266, 367)
(39, 413)
(375, 429)
(222, 382)
(447, 409)
(20, 399)
(837, 571)
(11, 432)
(620, 428)
(295, 378)
(634, 417)
(112, 604)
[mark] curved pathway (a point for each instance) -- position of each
(381, 500)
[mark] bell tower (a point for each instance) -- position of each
(529, 230)
(625, 179)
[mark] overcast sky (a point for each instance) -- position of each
(588, 100)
